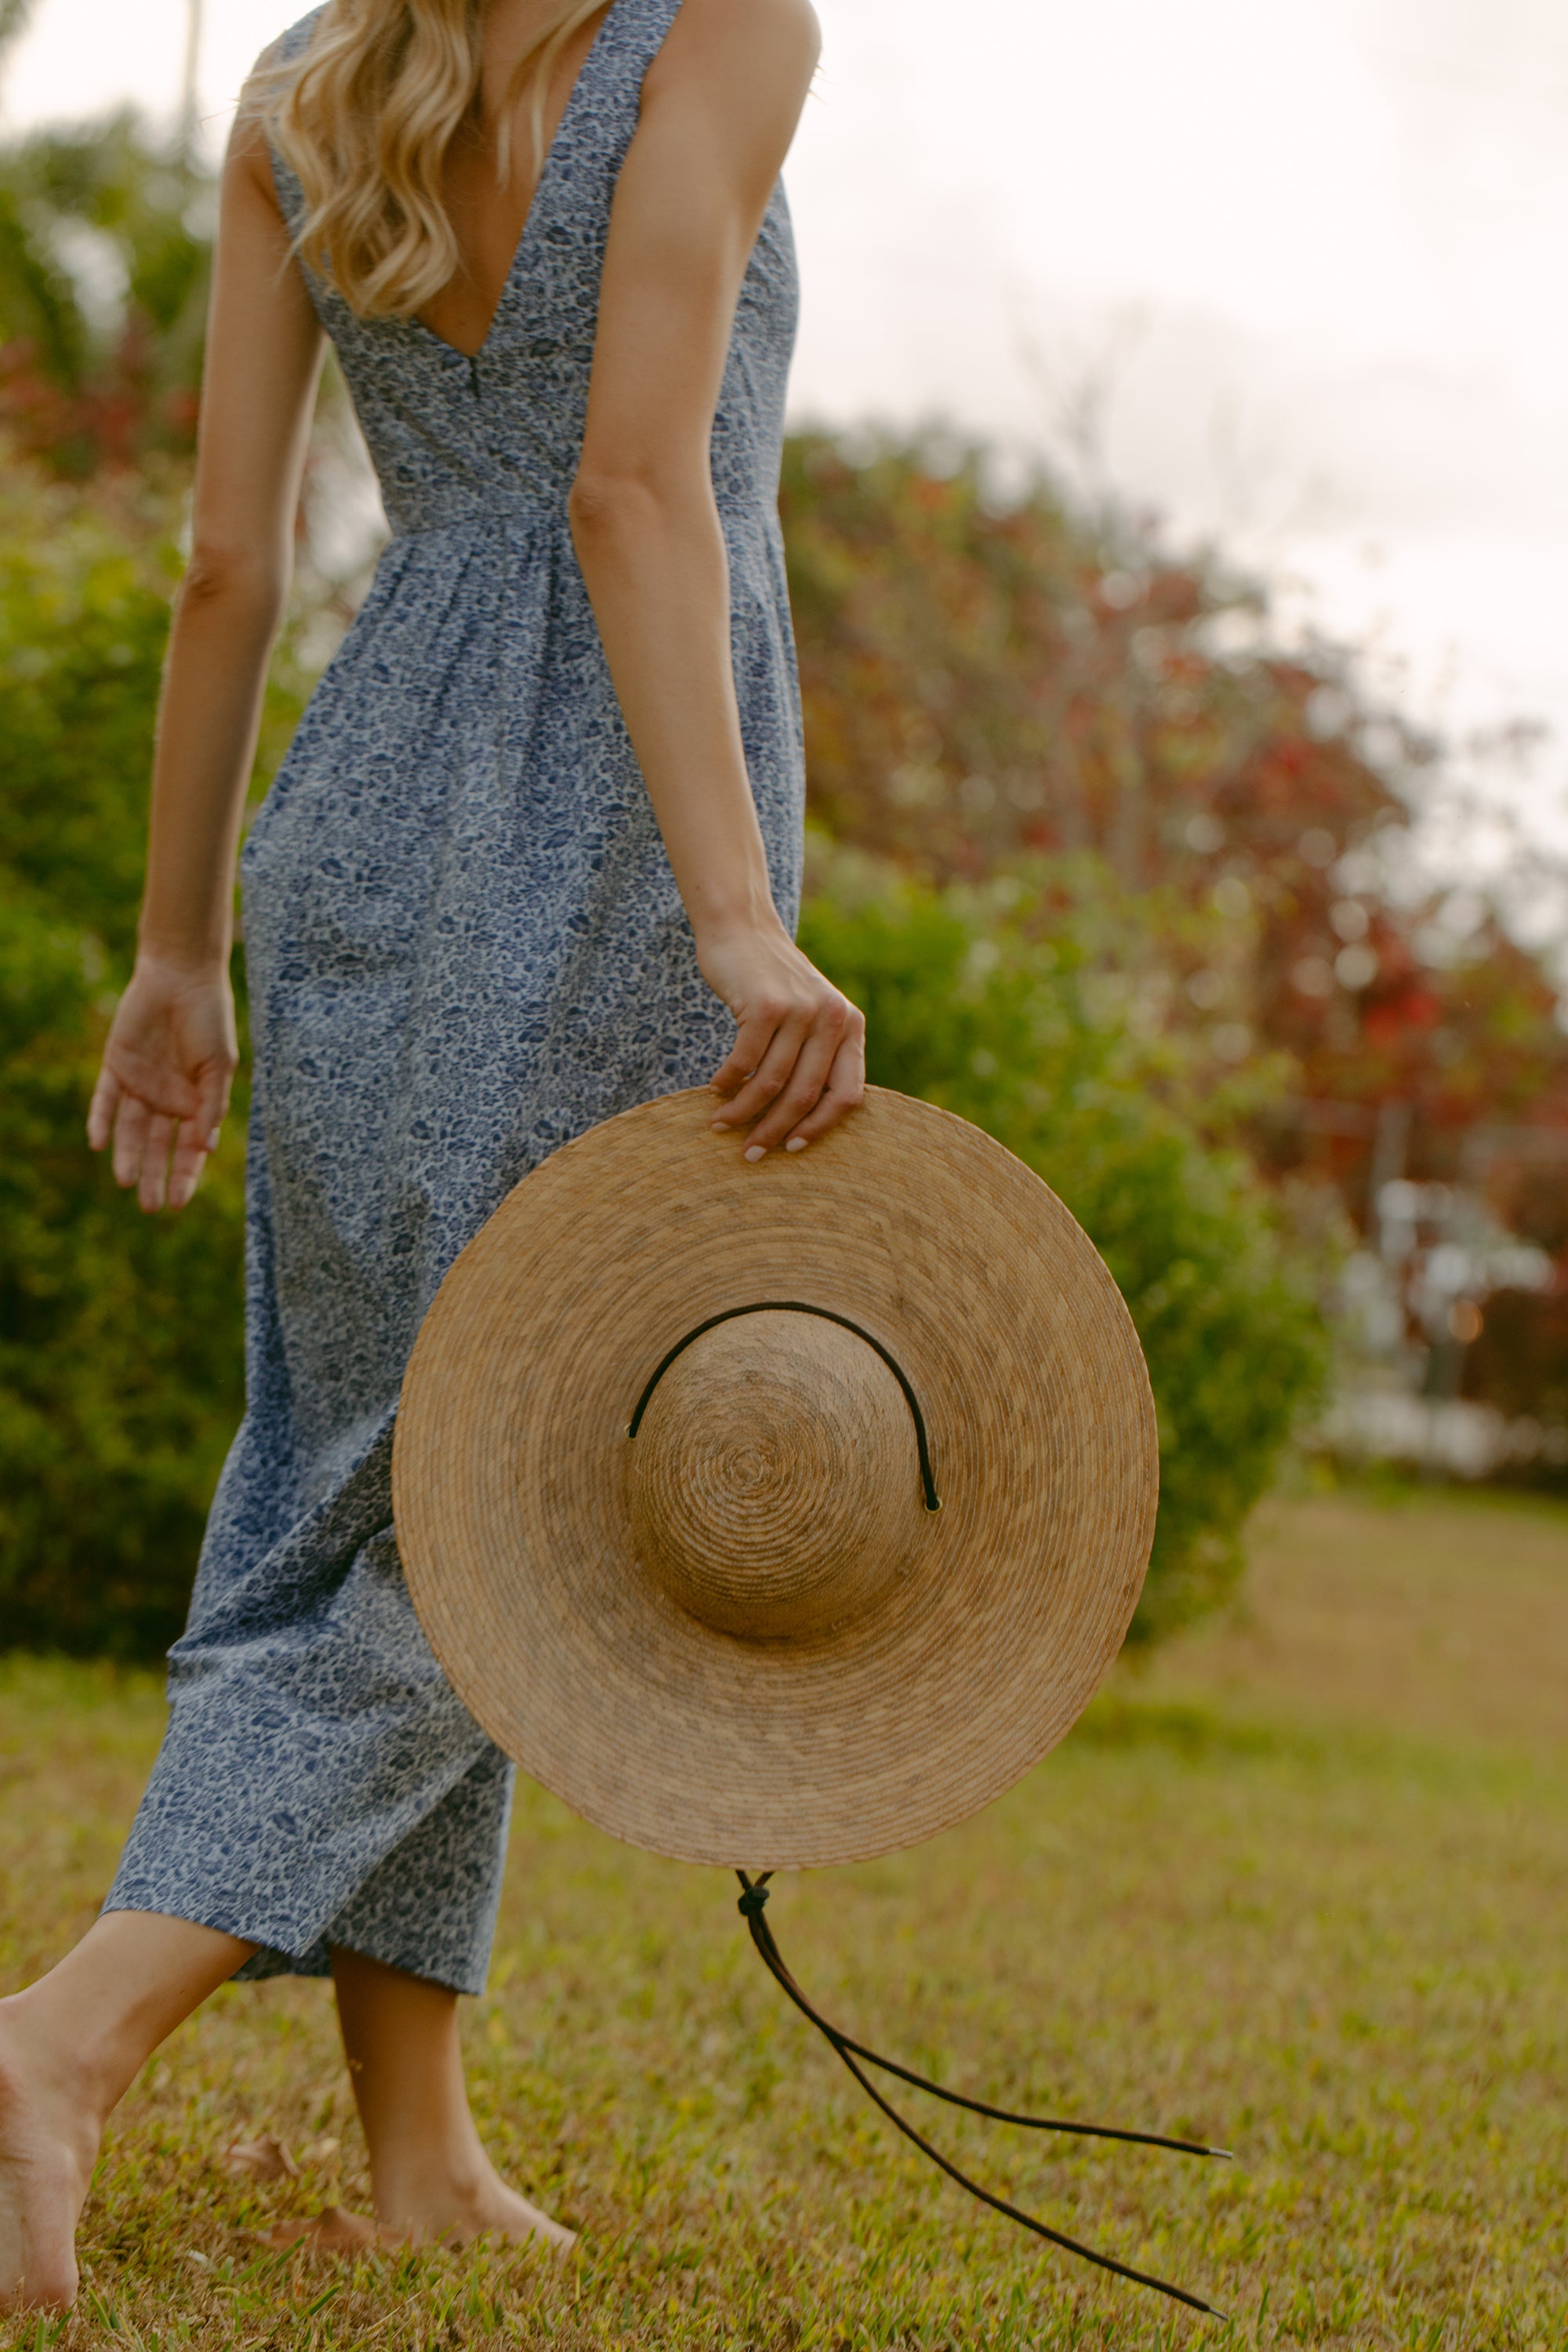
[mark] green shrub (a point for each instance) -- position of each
(966, 1009)
(120, 1370)
(119, 1335)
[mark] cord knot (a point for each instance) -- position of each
(749, 1905)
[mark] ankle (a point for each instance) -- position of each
(68, 2064)
(412, 2183)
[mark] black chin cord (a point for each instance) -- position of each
(751, 1909)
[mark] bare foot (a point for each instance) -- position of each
(454, 2213)
(494, 2210)
(47, 2145)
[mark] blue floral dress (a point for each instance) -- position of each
(465, 946)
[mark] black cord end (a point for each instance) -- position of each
(753, 1896)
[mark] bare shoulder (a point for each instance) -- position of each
(750, 48)
(248, 161)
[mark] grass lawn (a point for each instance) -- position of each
(1301, 1887)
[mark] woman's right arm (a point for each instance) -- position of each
(718, 109)
(170, 1054)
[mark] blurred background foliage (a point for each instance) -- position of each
(105, 257)
(981, 998)
(1113, 875)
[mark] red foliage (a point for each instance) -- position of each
(110, 423)
(984, 678)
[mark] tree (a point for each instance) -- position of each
(989, 675)
(100, 366)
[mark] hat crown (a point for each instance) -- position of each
(774, 1484)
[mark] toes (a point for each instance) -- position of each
(553, 2233)
(260, 2160)
(333, 2230)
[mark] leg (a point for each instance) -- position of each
(71, 2046)
(429, 2175)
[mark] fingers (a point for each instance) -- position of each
(801, 1088)
(145, 1140)
(772, 1073)
(791, 1023)
(198, 1137)
(157, 1143)
(101, 1110)
(164, 1091)
(810, 1074)
(130, 1117)
(160, 1155)
(754, 1036)
(193, 1141)
(213, 1108)
(845, 1092)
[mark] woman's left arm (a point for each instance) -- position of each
(170, 1054)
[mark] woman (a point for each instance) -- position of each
(532, 858)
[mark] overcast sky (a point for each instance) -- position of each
(1312, 256)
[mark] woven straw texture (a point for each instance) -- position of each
(741, 1638)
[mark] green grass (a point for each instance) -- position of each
(1301, 1886)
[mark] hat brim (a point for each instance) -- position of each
(510, 1463)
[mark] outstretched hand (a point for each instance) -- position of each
(799, 1058)
(163, 1090)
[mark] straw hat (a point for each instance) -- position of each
(742, 1634)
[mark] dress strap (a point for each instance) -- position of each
(602, 112)
(630, 38)
(641, 24)
(291, 42)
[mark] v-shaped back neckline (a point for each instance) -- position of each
(471, 358)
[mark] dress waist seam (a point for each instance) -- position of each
(536, 520)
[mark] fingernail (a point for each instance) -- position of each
(797, 1143)
(756, 1152)
(717, 1125)
(213, 1138)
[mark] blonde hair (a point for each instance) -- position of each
(363, 117)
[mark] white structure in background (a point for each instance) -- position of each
(1469, 1257)
(1440, 1255)
(1446, 1434)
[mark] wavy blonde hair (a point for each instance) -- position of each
(365, 116)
